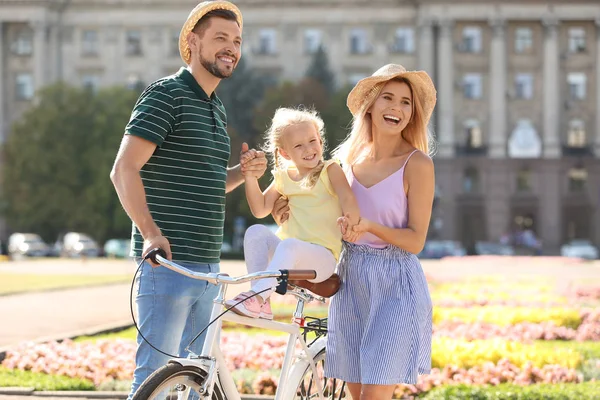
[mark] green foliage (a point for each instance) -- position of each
(57, 164)
(580, 391)
(41, 381)
(319, 71)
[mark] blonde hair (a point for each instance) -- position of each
(359, 143)
(284, 118)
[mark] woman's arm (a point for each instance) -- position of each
(344, 192)
(261, 203)
(420, 176)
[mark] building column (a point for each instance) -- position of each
(3, 80)
(596, 137)
(40, 60)
(497, 199)
(445, 89)
(425, 49)
(550, 215)
(497, 132)
(54, 48)
(551, 137)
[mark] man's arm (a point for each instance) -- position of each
(152, 120)
(125, 175)
(234, 178)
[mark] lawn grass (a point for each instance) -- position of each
(41, 381)
(16, 283)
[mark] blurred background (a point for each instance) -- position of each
(517, 123)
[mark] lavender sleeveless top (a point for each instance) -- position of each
(385, 203)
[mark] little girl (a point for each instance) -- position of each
(318, 195)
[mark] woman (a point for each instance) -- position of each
(380, 321)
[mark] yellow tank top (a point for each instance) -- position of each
(313, 212)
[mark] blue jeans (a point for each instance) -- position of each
(172, 309)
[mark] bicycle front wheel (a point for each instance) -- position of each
(175, 382)
(307, 388)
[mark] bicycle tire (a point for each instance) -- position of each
(171, 371)
(306, 370)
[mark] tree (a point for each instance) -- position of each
(319, 71)
(240, 94)
(57, 164)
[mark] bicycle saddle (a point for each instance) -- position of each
(327, 288)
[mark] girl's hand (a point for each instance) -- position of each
(347, 229)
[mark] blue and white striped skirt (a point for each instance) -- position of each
(380, 321)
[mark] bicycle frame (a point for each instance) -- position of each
(212, 359)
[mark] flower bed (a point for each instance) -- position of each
(491, 333)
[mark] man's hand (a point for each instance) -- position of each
(253, 163)
(154, 242)
(281, 210)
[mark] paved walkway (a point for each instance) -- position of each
(41, 316)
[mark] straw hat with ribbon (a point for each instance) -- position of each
(198, 12)
(366, 89)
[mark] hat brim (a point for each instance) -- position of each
(197, 13)
(367, 88)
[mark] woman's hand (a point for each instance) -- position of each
(349, 233)
(281, 210)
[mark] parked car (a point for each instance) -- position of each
(442, 248)
(27, 245)
(75, 244)
(580, 248)
(117, 248)
(491, 248)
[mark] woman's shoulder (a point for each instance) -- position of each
(419, 162)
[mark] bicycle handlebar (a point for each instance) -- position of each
(158, 257)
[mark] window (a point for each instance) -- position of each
(89, 43)
(354, 78)
(474, 135)
(24, 86)
(471, 180)
(524, 86)
(175, 42)
(133, 43)
(524, 180)
(312, 40)
(358, 41)
(404, 41)
(23, 43)
(577, 85)
(90, 81)
(576, 135)
(472, 86)
(471, 39)
(266, 41)
(524, 141)
(523, 40)
(577, 179)
(576, 40)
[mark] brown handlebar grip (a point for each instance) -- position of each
(300, 274)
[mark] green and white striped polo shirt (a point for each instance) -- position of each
(185, 178)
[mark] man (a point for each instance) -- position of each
(171, 174)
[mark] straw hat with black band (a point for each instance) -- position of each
(366, 89)
(197, 13)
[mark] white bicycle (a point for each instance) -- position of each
(205, 376)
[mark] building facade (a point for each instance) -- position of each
(517, 122)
